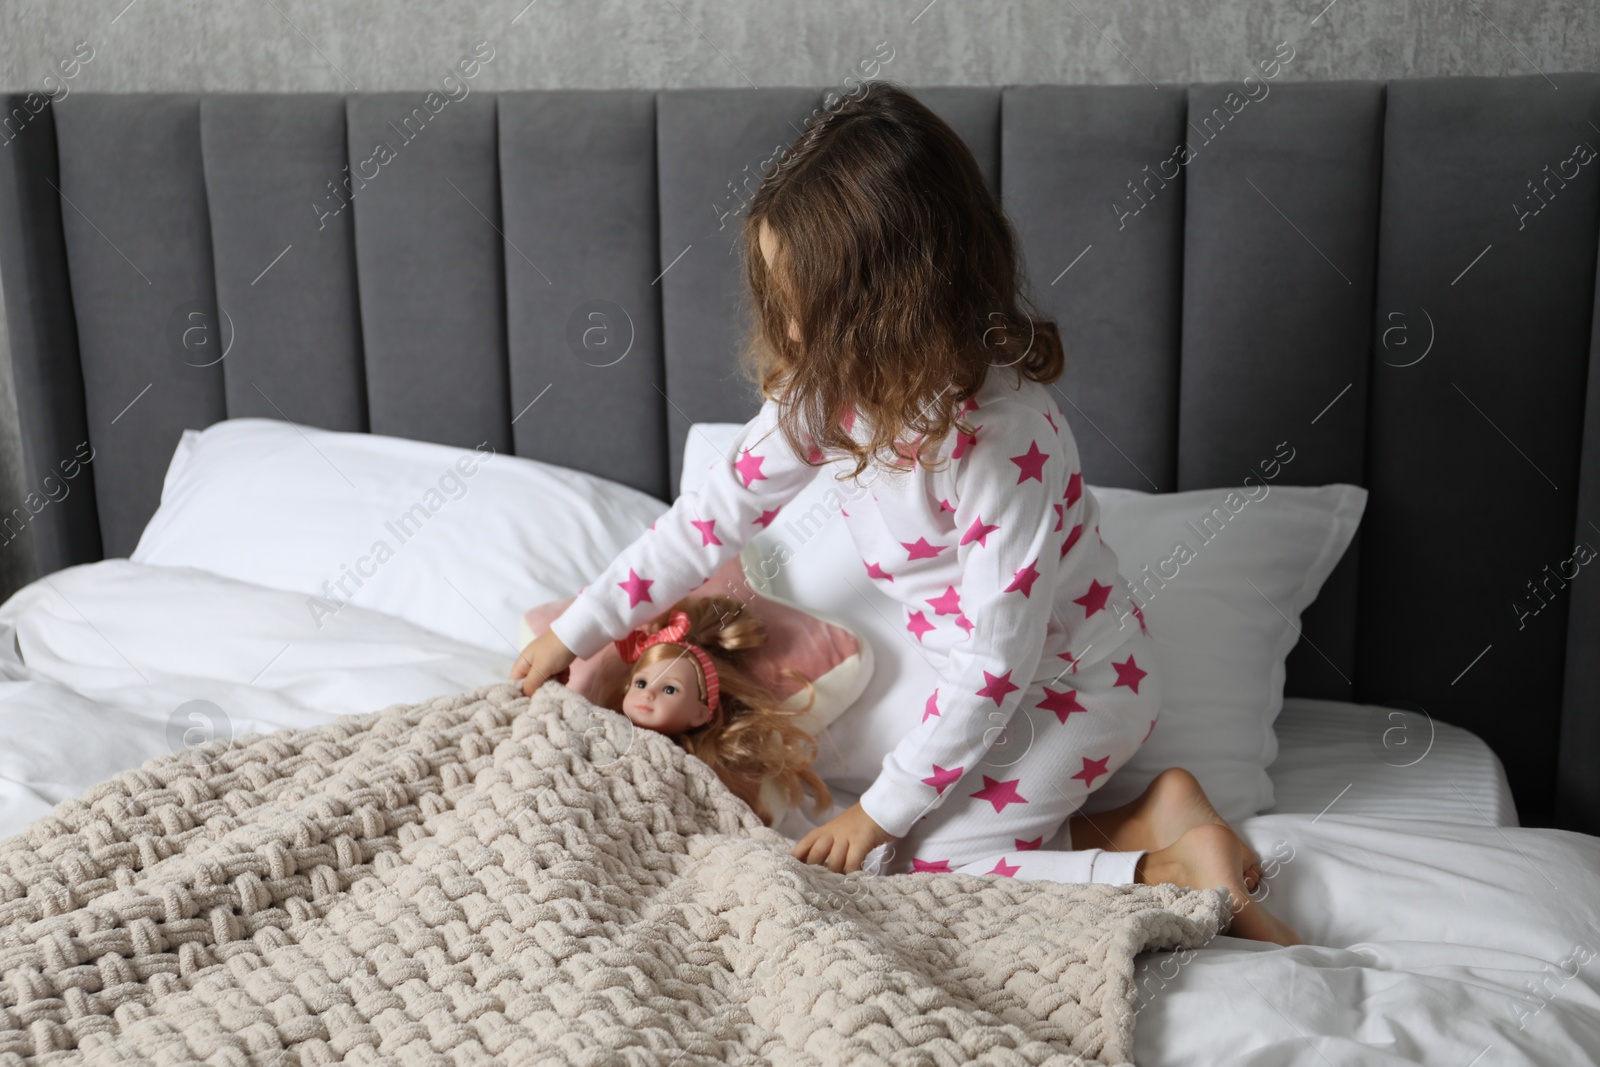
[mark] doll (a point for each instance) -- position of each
(688, 679)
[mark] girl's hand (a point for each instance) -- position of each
(544, 658)
(842, 842)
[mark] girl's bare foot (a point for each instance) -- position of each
(1171, 806)
(1205, 857)
(1178, 805)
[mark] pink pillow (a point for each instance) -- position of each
(837, 661)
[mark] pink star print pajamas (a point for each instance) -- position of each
(1047, 671)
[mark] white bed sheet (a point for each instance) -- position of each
(1361, 759)
(1436, 942)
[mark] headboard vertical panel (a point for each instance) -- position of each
(1577, 801)
(578, 181)
(139, 251)
(1279, 254)
(282, 237)
(1105, 262)
(59, 517)
(431, 272)
(1474, 479)
(712, 148)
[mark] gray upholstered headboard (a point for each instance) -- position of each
(1398, 280)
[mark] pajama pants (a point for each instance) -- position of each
(1056, 758)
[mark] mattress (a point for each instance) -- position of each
(1359, 759)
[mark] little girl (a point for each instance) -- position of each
(890, 335)
(688, 681)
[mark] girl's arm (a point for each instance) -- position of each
(1018, 498)
(702, 530)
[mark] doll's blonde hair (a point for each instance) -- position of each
(751, 738)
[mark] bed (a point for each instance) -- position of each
(1438, 929)
(1309, 276)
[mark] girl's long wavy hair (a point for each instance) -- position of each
(752, 738)
(902, 272)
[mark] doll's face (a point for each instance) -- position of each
(769, 252)
(665, 697)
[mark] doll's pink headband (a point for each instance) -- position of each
(677, 627)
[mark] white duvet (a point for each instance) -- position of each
(99, 663)
(1435, 942)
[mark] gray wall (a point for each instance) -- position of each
(322, 45)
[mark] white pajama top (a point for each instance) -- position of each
(996, 560)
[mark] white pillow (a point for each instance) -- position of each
(1220, 644)
(460, 541)
(1224, 626)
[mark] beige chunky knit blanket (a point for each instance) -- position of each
(491, 878)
